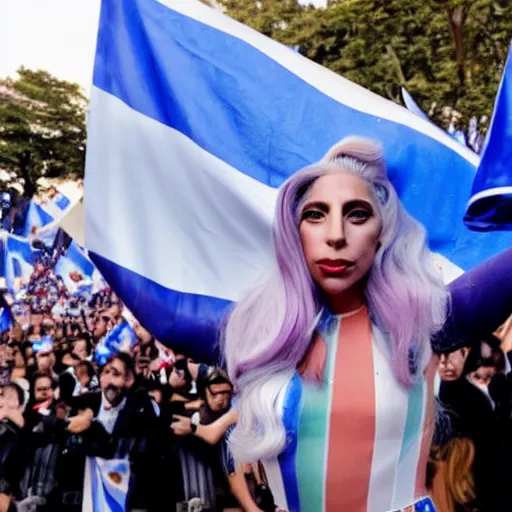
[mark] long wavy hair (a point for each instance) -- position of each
(269, 331)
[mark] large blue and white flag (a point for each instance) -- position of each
(490, 206)
(17, 260)
(75, 261)
(195, 120)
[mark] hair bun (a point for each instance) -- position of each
(363, 149)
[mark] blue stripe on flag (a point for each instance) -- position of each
(256, 115)
(490, 206)
(186, 322)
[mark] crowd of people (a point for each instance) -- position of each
(472, 449)
(63, 408)
(64, 412)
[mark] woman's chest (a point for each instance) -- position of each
(361, 430)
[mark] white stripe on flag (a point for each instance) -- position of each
(163, 180)
(321, 78)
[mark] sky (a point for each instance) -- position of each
(56, 35)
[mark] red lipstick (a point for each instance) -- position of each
(334, 267)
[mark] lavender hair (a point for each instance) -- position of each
(269, 331)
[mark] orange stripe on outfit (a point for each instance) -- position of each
(352, 422)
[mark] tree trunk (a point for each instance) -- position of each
(457, 19)
(29, 188)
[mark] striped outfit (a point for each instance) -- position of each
(360, 441)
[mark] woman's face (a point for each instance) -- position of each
(339, 228)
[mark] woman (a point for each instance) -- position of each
(332, 353)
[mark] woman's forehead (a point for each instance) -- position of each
(339, 186)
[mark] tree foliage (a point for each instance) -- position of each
(449, 54)
(42, 128)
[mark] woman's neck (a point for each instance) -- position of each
(343, 303)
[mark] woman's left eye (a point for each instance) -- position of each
(359, 216)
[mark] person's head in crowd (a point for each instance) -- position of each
(30, 357)
(34, 331)
(180, 377)
(39, 270)
(84, 373)
(12, 399)
(218, 390)
(15, 352)
(82, 346)
(451, 364)
(90, 321)
(45, 357)
(155, 391)
(43, 387)
(16, 334)
(116, 378)
(485, 361)
(48, 325)
(102, 324)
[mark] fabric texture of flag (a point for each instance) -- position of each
(106, 483)
(195, 120)
(18, 258)
(5, 320)
(120, 339)
(75, 260)
(490, 205)
(36, 217)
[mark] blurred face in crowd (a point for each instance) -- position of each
(101, 325)
(115, 380)
(43, 389)
(451, 364)
(49, 326)
(482, 376)
(29, 356)
(218, 396)
(38, 269)
(91, 321)
(9, 401)
(36, 319)
(177, 379)
(80, 349)
(142, 362)
(14, 353)
(82, 375)
(45, 361)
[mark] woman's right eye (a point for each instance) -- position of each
(312, 215)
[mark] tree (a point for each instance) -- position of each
(449, 54)
(42, 128)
